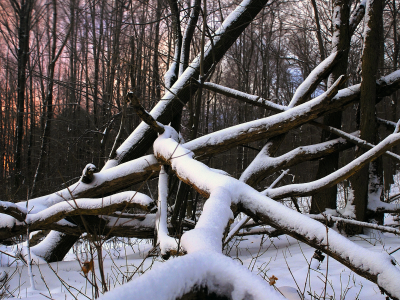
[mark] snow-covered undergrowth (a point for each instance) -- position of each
(283, 257)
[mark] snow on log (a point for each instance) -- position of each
(377, 267)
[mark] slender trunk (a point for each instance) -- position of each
(318, 33)
(24, 13)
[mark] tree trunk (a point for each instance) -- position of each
(340, 42)
(368, 127)
(24, 13)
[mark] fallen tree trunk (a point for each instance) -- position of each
(122, 176)
(227, 191)
(39, 218)
(173, 101)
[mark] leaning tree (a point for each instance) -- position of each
(97, 204)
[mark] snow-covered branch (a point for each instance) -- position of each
(267, 165)
(41, 218)
(354, 139)
(308, 86)
(13, 210)
(310, 188)
(329, 219)
(251, 99)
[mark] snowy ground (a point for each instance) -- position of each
(281, 257)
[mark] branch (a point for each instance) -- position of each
(325, 219)
(306, 189)
(167, 243)
(172, 73)
(353, 139)
(246, 219)
(101, 206)
(356, 16)
(267, 165)
(271, 232)
(389, 124)
(188, 35)
(143, 114)
(308, 86)
(251, 99)
(330, 219)
(135, 171)
(13, 210)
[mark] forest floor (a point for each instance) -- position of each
(283, 257)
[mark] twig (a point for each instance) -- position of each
(144, 115)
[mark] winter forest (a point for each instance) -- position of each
(165, 149)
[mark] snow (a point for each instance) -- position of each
(202, 269)
(263, 256)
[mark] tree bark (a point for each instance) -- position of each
(368, 95)
(340, 42)
(24, 13)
